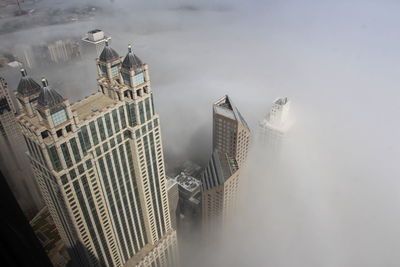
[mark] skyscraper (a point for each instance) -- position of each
(231, 134)
(94, 41)
(273, 127)
(12, 148)
(99, 163)
(19, 245)
(220, 179)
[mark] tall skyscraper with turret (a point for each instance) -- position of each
(220, 179)
(274, 126)
(13, 160)
(100, 166)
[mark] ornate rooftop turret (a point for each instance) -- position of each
(48, 96)
(27, 86)
(131, 61)
(108, 54)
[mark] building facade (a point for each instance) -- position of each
(12, 154)
(273, 127)
(100, 166)
(220, 179)
(231, 133)
(94, 41)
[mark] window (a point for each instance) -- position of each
(59, 117)
(114, 70)
(127, 78)
(139, 78)
(103, 69)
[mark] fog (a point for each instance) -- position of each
(333, 197)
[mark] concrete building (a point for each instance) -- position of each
(189, 205)
(63, 50)
(220, 179)
(173, 200)
(94, 41)
(46, 231)
(273, 127)
(14, 162)
(231, 134)
(100, 166)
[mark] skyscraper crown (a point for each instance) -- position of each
(108, 54)
(27, 86)
(131, 61)
(48, 96)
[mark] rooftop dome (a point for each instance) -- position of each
(131, 61)
(27, 86)
(108, 54)
(48, 96)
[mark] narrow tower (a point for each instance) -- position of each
(274, 126)
(14, 162)
(220, 179)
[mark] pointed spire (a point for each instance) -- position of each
(27, 86)
(131, 61)
(48, 96)
(108, 54)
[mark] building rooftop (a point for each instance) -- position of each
(225, 107)
(170, 182)
(187, 182)
(27, 86)
(90, 105)
(108, 54)
(131, 61)
(49, 97)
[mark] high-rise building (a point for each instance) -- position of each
(63, 50)
(273, 127)
(94, 41)
(100, 166)
(14, 162)
(220, 179)
(173, 199)
(231, 134)
(19, 245)
(189, 201)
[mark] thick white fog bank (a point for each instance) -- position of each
(334, 198)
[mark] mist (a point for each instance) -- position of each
(332, 199)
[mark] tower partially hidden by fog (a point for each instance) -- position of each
(12, 159)
(100, 167)
(274, 126)
(220, 179)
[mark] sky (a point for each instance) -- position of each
(333, 199)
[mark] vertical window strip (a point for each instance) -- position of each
(108, 124)
(96, 218)
(93, 131)
(148, 111)
(139, 211)
(85, 137)
(88, 220)
(127, 220)
(152, 186)
(55, 160)
(122, 117)
(75, 150)
(67, 156)
(100, 124)
(141, 112)
(116, 121)
(157, 180)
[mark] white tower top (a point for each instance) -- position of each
(278, 117)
